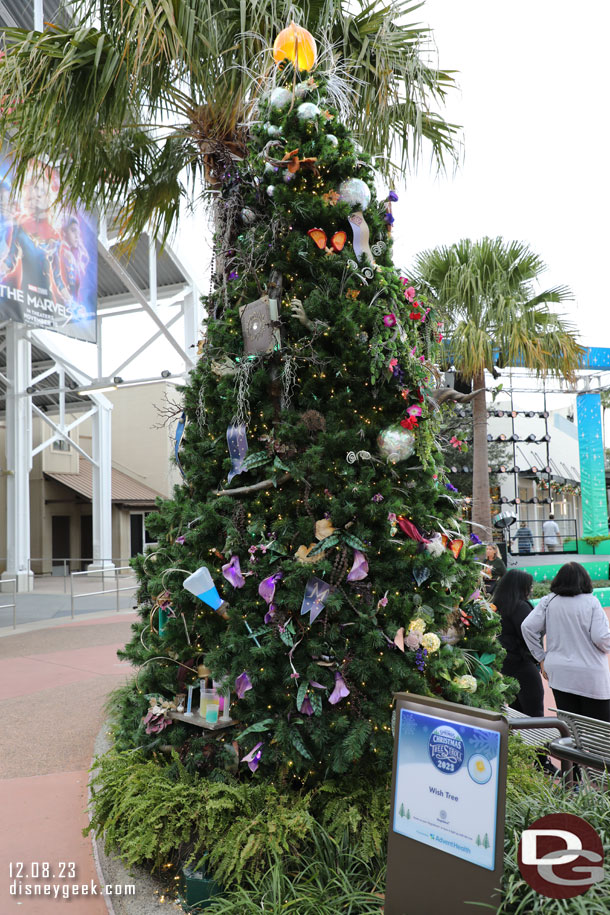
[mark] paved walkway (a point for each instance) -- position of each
(51, 599)
(53, 685)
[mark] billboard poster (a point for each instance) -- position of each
(446, 793)
(48, 257)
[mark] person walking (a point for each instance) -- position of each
(494, 568)
(511, 600)
(551, 540)
(525, 540)
(575, 662)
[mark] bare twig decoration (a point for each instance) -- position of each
(264, 484)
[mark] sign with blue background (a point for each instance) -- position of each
(446, 792)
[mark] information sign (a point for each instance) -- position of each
(446, 839)
(447, 786)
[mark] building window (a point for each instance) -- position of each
(61, 445)
(139, 535)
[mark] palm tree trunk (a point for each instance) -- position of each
(481, 505)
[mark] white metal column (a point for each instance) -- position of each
(38, 15)
(192, 325)
(101, 446)
(18, 456)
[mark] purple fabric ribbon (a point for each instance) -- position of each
(360, 568)
(232, 572)
(340, 691)
(266, 589)
(254, 757)
(306, 707)
(238, 448)
(242, 685)
(270, 613)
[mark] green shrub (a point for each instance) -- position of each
(522, 809)
(329, 878)
(314, 852)
(154, 813)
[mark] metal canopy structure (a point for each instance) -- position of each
(37, 379)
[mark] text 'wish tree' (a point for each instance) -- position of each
(332, 570)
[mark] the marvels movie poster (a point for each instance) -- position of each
(48, 258)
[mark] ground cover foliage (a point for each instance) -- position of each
(316, 851)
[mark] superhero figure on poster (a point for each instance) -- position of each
(70, 263)
(29, 241)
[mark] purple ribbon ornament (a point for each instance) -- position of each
(360, 568)
(232, 572)
(242, 685)
(340, 691)
(306, 707)
(254, 757)
(266, 589)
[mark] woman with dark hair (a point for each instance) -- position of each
(577, 643)
(511, 599)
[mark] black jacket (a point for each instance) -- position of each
(510, 637)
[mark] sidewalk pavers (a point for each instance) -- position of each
(53, 687)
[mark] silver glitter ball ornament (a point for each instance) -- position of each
(248, 216)
(280, 97)
(301, 89)
(332, 139)
(355, 192)
(396, 444)
(307, 111)
(270, 190)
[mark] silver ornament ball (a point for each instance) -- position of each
(302, 89)
(280, 97)
(307, 111)
(332, 139)
(270, 190)
(396, 444)
(248, 216)
(355, 192)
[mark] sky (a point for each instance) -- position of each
(532, 101)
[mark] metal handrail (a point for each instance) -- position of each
(14, 604)
(67, 562)
(113, 571)
(529, 724)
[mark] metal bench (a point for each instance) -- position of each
(588, 744)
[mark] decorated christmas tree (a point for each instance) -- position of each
(313, 561)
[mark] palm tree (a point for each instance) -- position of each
(140, 100)
(486, 295)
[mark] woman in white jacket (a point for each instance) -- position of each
(577, 643)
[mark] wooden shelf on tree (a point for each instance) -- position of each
(200, 722)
